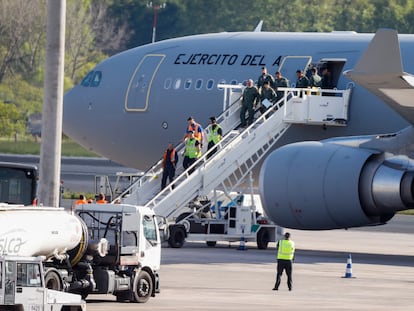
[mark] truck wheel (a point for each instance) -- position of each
(53, 280)
(122, 296)
(262, 238)
(211, 243)
(142, 287)
(84, 294)
(177, 237)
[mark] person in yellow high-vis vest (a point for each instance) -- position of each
(192, 151)
(285, 255)
(216, 134)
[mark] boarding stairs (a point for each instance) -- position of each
(237, 153)
(149, 184)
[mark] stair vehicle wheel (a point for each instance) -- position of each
(177, 236)
(211, 243)
(262, 238)
(142, 287)
(186, 222)
(53, 280)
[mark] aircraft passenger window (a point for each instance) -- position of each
(210, 84)
(199, 84)
(177, 84)
(167, 83)
(222, 81)
(96, 78)
(87, 80)
(187, 84)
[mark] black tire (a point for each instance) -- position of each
(53, 280)
(211, 243)
(182, 216)
(84, 294)
(142, 287)
(177, 236)
(122, 296)
(262, 238)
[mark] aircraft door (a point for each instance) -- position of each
(335, 67)
(139, 88)
(290, 64)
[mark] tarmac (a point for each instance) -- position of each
(197, 277)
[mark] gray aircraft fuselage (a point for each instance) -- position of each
(138, 101)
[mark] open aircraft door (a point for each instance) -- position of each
(139, 88)
(334, 65)
(290, 64)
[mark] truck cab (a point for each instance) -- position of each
(22, 287)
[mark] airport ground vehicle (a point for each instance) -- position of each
(101, 248)
(239, 219)
(22, 287)
(107, 257)
(218, 216)
(18, 183)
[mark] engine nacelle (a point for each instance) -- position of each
(317, 185)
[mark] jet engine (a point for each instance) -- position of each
(320, 185)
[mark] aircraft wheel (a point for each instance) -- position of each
(262, 238)
(53, 280)
(211, 243)
(177, 236)
(142, 287)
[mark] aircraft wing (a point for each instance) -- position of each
(380, 71)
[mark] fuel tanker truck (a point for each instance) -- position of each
(98, 249)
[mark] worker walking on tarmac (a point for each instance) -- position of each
(192, 151)
(285, 256)
(169, 161)
(216, 134)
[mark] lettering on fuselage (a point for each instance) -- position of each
(225, 59)
(10, 243)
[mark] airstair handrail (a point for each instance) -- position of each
(155, 169)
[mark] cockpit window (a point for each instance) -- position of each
(92, 79)
(96, 78)
(87, 80)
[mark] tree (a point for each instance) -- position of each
(21, 35)
(11, 121)
(89, 34)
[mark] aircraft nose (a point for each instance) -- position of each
(73, 114)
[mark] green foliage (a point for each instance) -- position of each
(27, 145)
(72, 195)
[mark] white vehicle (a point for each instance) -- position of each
(239, 218)
(100, 249)
(22, 287)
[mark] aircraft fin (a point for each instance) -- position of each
(380, 71)
(259, 27)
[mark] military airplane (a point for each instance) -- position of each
(130, 106)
